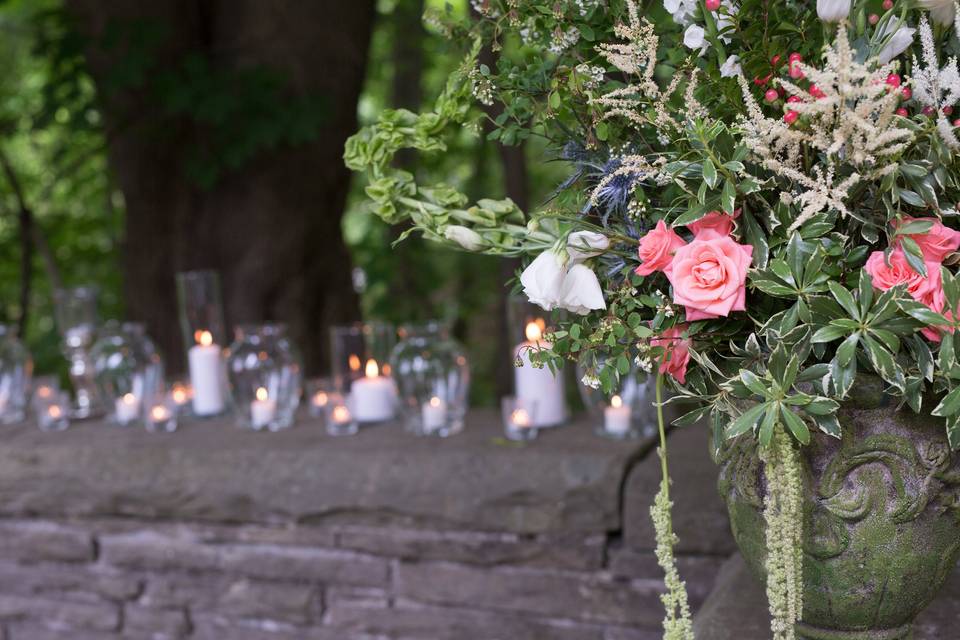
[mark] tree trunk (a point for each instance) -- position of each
(271, 227)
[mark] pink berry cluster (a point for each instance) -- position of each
(792, 68)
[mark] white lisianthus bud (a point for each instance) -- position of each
(586, 244)
(543, 279)
(941, 11)
(695, 38)
(901, 40)
(833, 10)
(465, 237)
(581, 291)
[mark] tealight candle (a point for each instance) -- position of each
(519, 419)
(180, 395)
(53, 418)
(616, 417)
(161, 419)
(373, 396)
(339, 422)
(126, 408)
(539, 385)
(206, 375)
(434, 414)
(263, 409)
(318, 402)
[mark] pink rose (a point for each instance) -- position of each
(900, 272)
(937, 301)
(936, 243)
(676, 352)
(709, 276)
(715, 223)
(657, 248)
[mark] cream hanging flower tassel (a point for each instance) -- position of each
(677, 624)
(783, 513)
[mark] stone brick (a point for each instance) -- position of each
(172, 591)
(150, 551)
(699, 514)
(156, 624)
(698, 572)
(414, 621)
(69, 581)
(32, 631)
(294, 604)
(207, 627)
(61, 614)
(38, 540)
(555, 550)
(582, 596)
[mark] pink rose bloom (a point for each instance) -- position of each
(937, 301)
(657, 248)
(709, 276)
(936, 243)
(715, 223)
(900, 272)
(676, 352)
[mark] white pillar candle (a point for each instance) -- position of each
(616, 417)
(263, 409)
(539, 387)
(434, 414)
(206, 376)
(126, 408)
(373, 397)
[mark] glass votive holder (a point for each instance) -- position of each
(354, 347)
(45, 388)
(340, 420)
(204, 336)
(54, 414)
(180, 396)
(519, 418)
(318, 396)
(161, 415)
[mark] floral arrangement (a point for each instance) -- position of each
(759, 206)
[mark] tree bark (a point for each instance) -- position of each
(271, 227)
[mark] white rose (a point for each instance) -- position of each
(465, 237)
(586, 244)
(901, 40)
(833, 10)
(581, 291)
(731, 67)
(694, 38)
(543, 279)
(941, 11)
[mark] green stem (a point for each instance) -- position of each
(665, 472)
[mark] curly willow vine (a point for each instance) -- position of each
(783, 513)
(677, 624)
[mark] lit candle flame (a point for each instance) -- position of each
(203, 337)
(534, 330)
(320, 398)
(386, 369)
(54, 411)
(262, 394)
(520, 418)
(434, 401)
(341, 414)
(372, 370)
(180, 393)
(354, 362)
(616, 402)
(159, 413)
(129, 398)
(44, 391)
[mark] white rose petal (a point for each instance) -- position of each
(543, 279)
(581, 291)
(586, 244)
(465, 237)
(833, 10)
(901, 40)
(731, 67)
(694, 38)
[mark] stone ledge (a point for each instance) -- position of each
(737, 609)
(567, 481)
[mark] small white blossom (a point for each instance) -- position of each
(731, 67)
(563, 40)
(681, 10)
(590, 380)
(594, 75)
(695, 38)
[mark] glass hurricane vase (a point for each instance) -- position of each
(16, 369)
(261, 382)
(128, 370)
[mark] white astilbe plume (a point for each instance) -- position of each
(935, 87)
(638, 57)
(852, 126)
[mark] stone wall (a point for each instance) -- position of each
(215, 534)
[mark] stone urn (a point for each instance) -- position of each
(882, 516)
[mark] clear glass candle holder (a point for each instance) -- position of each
(340, 420)
(355, 346)
(160, 414)
(16, 369)
(318, 396)
(44, 390)
(129, 370)
(54, 413)
(76, 313)
(630, 412)
(519, 418)
(260, 380)
(432, 378)
(181, 396)
(204, 337)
